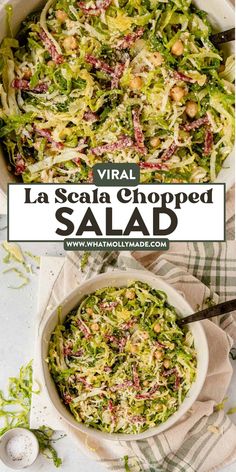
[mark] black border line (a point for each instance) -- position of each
(78, 184)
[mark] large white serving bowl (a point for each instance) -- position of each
(118, 279)
(221, 15)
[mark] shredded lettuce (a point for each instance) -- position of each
(13, 252)
(84, 260)
(20, 274)
(15, 411)
(23, 267)
(120, 361)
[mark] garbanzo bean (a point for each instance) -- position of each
(166, 363)
(157, 59)
(70, 43)
(157, 327)
(177, 48)
(177, 93)
(136, 83)
(191, 108)
(61, 16)
(155, 141)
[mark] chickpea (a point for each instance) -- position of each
(27, 74)
(136, 83)
(89, 311)
(177, 48)
(145, 383)
(145, 335)
(166, 363)
(177, 93)
(191, 108)
(157, 59)
(61, 16)
(50, 63)
(130, 294)
(70, 43)
(94, 327)
(157, 327)
(133, 349)
(172, 346)
(158, 355)
(155, 142)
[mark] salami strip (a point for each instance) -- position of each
(98, 64)
(152, 165)
(196, 124)
(20, 166)
(208, 144)
(183, 77)
(122, 143)
(138, 132)
(95, 10)
(50, 46)
(83, 328)
(23, 84)
(169, 152)
(45, 133)
(117, 74)
(90, 116)
(130, 39)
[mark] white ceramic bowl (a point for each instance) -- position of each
(118, 279)
(28, 459)
(221, 15)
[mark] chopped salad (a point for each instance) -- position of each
(120, 361)
(97, 81)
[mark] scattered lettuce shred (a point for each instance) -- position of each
(84, 261)
(221, 405)
(14, 254)
(20, 274)
(35, 258)
(15, 411)
(126, 464)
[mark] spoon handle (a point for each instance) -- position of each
(211, 312)
(224, 37)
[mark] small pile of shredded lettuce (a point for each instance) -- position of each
(15, 411)
(22, 268)
(120, 361)
(92, 81)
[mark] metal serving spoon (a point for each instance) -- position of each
(224, 37)
(211, 312)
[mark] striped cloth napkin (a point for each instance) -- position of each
(204, 440)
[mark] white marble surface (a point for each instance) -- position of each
(17, 314)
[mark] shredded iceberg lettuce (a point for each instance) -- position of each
(120, 361)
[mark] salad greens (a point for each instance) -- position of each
(15, 411)
(120, 362)
(116, 81)
(23, 268)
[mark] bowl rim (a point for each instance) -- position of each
(79, 292)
